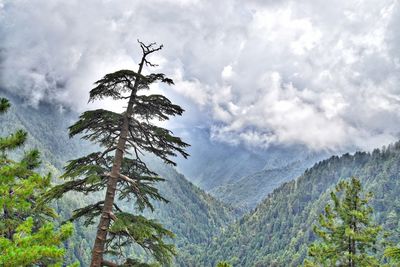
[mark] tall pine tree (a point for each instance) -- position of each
(119, 169)
(348, 237)
(26, 238)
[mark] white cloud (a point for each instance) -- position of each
(227, 72)
(324, 74)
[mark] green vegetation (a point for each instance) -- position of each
(25, 237)
(261, 183)
(229, 172)
(30, 245)
(191, 214)
(223, 264)
(347, 236)
(278, 232)
(393, 253)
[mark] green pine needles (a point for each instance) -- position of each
(347, 234)
(119, 170)
(26, 236)
(223, 264)
(29, 247)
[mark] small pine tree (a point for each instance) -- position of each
(25, 237)
(347, 234)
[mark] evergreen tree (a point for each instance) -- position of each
(223, 264)
(25, 238)
(348, 234)
(30, 246)
(119, 168)
(393, 253)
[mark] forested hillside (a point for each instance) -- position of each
(261, 183)
(193, 215)
(229, 172)
(226, 172)
(47, 127)
(276, 233)
(279, 230)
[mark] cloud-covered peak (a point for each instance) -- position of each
(318, 73)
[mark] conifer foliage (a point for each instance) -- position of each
(119, 169)
(26, 238)
(348, 237)
(223, 264)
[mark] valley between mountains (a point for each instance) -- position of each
(250, 207)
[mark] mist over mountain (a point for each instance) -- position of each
(230, 172)
(212, 165)
(250, 190)
(286, 187)
(193, 215)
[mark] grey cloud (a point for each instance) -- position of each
(323, 74)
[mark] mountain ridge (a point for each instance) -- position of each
(277, 232)
(192, 214)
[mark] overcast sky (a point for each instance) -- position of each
(321, 73)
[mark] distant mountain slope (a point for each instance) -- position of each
(220, 169)
(278, 231)
(47, 126)
(250, 190)
(193, 215)
(241, 176)
(212, 164)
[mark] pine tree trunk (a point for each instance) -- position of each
(105, 218)
(349, 251)
(352, 242)
(7, 216)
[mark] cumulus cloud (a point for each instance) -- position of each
(323, 74)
